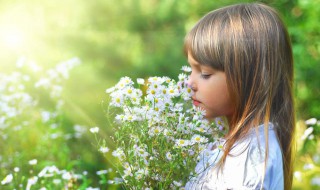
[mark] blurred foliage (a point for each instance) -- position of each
(136, 38)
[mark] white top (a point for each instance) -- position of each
(243, 170)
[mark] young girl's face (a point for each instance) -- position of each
(210, 90)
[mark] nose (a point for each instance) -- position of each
(191, 84)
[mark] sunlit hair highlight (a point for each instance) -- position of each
(250, 43)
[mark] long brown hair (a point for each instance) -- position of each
(250, 43)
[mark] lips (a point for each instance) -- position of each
(195, 102)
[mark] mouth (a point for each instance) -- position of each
(195, 102)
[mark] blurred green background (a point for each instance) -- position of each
(135, 38)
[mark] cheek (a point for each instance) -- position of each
(218, 100)
(226, 103)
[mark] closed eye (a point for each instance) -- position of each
(205, 76)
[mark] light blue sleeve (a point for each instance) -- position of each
(244, 168)
(274, 170)
(255, 163)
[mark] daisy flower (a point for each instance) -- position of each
(169, 156)
(94, 129)
(181, 142)
(33, 162)
(104, 149)
(186, 69)
(8, 179)
(198, 139)
(140, 81)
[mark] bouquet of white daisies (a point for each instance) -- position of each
(158, 132)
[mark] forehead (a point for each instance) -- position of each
(196, 64)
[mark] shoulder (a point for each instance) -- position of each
(261, 140)
(273, 178)
(249, 158)
(246, 166)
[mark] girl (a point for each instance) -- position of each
(242, 69)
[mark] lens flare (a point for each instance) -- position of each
(12, 38)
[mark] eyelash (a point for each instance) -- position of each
(205, 76)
